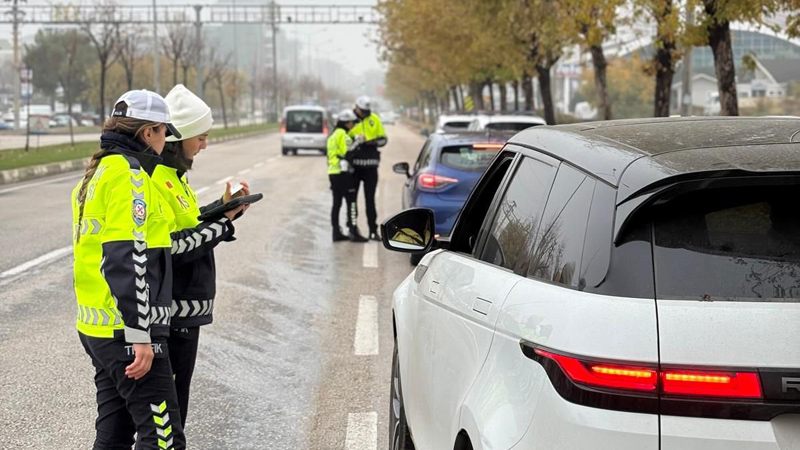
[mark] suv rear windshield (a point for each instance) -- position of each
(510, 126)
(304, 121)
(455, 126)
(729, 244)
(466, 158)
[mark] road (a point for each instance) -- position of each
(282, 367)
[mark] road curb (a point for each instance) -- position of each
(31, 172)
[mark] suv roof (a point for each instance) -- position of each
(469, 137)
(633, 154)
(304, 108)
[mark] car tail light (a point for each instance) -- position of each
(283, 125)
(324, 126)
(711, 384)
(605, 375)
(487, 146)
(431, 181)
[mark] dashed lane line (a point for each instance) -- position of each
(224, 180)
(362, 431)
(44, 259)
(366, 340)
(370, 257)
(244, 172)
(40, 183)
(258, 165)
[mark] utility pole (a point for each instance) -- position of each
(156, 57)
(198, 30)
(686, 97)
(235, 60)
(274, 61)
(17, 87)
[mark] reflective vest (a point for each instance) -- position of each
(371, 127)
(367, 155)
(123, 271)
(338, 143)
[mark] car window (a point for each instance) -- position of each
(423, 154)
(475, 125)
(599, 237)
(510, 126)
(729, 244)
(466, 158)
(518, 215)
(304, 121)
(456, 125)
(558, 239)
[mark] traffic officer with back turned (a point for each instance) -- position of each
(367, 158)
(341, 149)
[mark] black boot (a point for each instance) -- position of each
(374, 236)
(355, 235)
(338, 235)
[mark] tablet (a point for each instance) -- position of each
(225, 207)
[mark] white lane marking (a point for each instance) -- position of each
(258, 165)
(362, 431)
(201, 190)
(273, 159)
(370, 259)
(366, 341)
(44, 259)
(245, 171)
(224, 180)
(41, 183)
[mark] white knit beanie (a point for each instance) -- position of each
(189, 114)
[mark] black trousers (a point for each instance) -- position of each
(342, 188)
(369, 176)
(147, 407)
(182, 345)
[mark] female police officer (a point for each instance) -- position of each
(123, 279)
(194, 273)
(340, 149)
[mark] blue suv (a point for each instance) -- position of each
(447, 168)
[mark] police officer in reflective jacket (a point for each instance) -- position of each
(123, 279)
(367, 158)
(341, 151)
(194, 273)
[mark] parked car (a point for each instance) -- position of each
(62, 121)
(388, 117)
(613, 285)
(304, 127)
(447, 168)
(453, 122)
(510, 122)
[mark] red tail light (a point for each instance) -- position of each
(283, 125)
(324, 126)
(711, 384)
(431, 181)
(690, 383)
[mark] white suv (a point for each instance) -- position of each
(616, 285)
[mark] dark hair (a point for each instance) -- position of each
(175, 150)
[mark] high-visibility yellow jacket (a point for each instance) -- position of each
(367, 155)
(194, 272)
(123, 269)
(338, 143)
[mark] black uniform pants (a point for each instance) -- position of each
(369, 176)
(342, 188)
(147, 407)
(182, 346)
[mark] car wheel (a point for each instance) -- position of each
(416, 258)
(399, 436)
(284, 151)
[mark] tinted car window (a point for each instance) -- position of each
(729, 244)
(455, 125)
(558, 240)
(424, 154)
(509, 126)
(304, 121)
(599, 237)
(518, 215)
(466, 158)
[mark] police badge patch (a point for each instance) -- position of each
(139, 211)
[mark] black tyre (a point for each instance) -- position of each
(399, 436)
(415, 258)
(284, 151)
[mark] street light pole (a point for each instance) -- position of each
(156, 57)
(274, 61)
(15, 18)
(198, 30)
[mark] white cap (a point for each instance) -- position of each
(145, 105)
(363, 102)
(190, 114)
(347, 116)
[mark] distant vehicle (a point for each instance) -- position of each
(447, 168)
(511, 122)
(5, 125)
(712, 106)
(62, 121)
(388, 117)
(619, 285)
(304, 127)
(458, 122)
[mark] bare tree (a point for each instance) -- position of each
(193, 51)
(216, 71)
(105, 40)
(130, 51)
(176, 46)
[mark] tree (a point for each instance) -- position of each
(105, 39)
(668, 31)
(130, 52)
(176, 46)
(630, 89)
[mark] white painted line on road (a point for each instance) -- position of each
(366, 341)
(224, 180)
(245, 171)
(273, 159)
(41, 183)
(362, 431)
(258, 165)
(370, 259)
(201, 190)
(44, 259)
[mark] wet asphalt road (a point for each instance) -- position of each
(276, 370)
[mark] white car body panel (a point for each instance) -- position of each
(693, 433)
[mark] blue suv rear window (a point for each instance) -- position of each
(466, 158)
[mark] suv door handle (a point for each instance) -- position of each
(482, 306)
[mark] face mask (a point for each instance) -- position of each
(365, 112)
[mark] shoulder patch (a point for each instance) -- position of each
(371, 122)
(139, 211)
(169, 185)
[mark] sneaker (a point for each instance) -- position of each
(374, 236)
(355, 236)
(338, 236)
